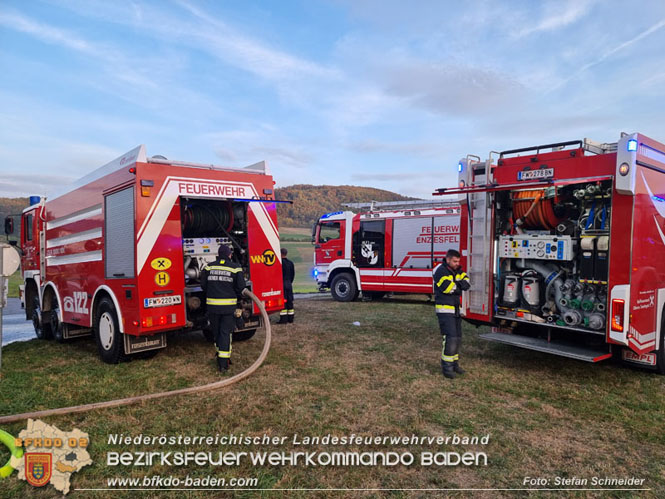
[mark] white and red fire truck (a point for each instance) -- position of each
(119, 253)
(389, 247)
(564, 247)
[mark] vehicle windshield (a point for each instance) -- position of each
(328, 231)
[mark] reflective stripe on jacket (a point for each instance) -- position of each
(448, 286)
(222, 282)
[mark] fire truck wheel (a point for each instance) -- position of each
(343, 287)
(107, 333)
(41, 332)
(56, 326)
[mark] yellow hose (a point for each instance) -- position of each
(140, 398)
(8, 441)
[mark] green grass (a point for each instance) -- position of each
(301, 252)
(546, 416)
(14, 281)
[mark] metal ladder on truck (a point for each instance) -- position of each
(479, 243)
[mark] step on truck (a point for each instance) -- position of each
(389, 247)
(119, 254)
(564, 247)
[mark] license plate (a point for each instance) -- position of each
(162, 301)
(535, 174)
(648, 359)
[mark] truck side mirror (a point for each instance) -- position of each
(9, 225)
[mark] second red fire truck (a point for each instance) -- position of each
(387, 248)
(119, 254)
(564, 246)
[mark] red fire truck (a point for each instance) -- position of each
(564, 247)
(389, 247)
(119, 253)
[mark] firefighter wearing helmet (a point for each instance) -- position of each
(222, 282)
(449, 282)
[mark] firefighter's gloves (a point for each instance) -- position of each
(461, 276)
(238, 313)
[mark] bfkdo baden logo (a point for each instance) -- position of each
(44, 454)
(267, 258)
(38, 468)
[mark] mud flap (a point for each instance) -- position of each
(69, 332)
(648, 360)
(138, 344)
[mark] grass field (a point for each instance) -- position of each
(14, 280)
(298, 242)
(546, 416)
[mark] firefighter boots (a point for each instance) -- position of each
(222, 364)
(283, 318)
(448, 369)
(291, 316)
(457, 368)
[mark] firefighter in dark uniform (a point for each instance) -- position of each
(449, 282)
(288, 275)
(222, 282)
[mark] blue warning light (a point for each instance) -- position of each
(632, 145)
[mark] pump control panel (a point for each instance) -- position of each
(203, 246)
(536, 247)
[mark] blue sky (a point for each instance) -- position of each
(382, 93)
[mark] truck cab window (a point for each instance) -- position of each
(28, 227)
(329, 231)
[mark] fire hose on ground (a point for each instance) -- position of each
(142, 398)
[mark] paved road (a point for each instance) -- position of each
(14, 325)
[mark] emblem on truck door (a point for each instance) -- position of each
(367, 251)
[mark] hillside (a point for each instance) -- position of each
(11, 206)
(312, 201)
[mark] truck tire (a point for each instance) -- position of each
(40, 331)
(107, 333)
(55, 326)
(343, 287)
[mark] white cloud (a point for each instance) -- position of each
(20, 185)
(248, 147)
(47, 33)
(451, 88)
(426, 149)
(614, 50)
(248, 53)
(559, 15)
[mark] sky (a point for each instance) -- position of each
(380, 93)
